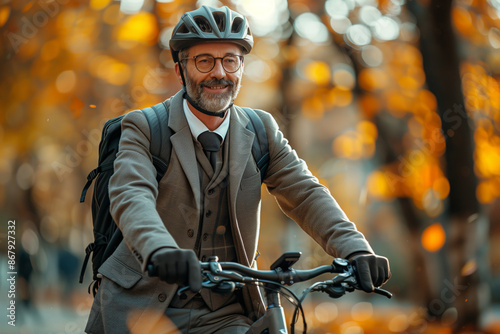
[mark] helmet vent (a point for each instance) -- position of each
(183, 29)
(220, 19)
(237, 23)
(203, 24)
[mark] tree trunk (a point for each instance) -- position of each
(441, 65)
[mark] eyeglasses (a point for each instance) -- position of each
(205, 63)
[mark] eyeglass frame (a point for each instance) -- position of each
(241, 57)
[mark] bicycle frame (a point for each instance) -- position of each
(273, 321)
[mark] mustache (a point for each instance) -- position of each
(222, 82)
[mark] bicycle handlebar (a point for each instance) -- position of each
(217, 272)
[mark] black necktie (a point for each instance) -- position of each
(211, 145)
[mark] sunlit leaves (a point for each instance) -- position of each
(482, 99)
(318, 72)
(372, 79)
(99, 4)
(141, 27)
(477, 22)
(463, 21)
(4, 15)
(358, 144)
(109, 69)
(66, 81)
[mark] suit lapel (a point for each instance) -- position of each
(182, 143)
(240, 142)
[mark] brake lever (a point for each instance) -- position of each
(346, 281)
(383, 292)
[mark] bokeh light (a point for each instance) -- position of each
(308, 25)
(433, 237)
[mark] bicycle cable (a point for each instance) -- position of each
(292, 299)
(295, 313)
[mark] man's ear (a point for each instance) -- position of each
(178, 70)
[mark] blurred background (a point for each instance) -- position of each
(394, 104)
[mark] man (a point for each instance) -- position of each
(207, 205)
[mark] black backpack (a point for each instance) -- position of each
(107, 235)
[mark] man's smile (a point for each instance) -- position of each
(216, 89)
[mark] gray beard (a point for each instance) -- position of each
(212, 102)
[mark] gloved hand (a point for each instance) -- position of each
(373, 270)
(178, 266)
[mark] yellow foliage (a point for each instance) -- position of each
(357, 144)
(379, 186)
(313, 108)
(368, 129)
(4, 15)
(110, 69)
(50, 50)
(428, 99)
(463, 20)
(488, 190)
(28, 6)
(348, 145)
(141, 27)
(371, 79)
(370, 105)
(112, 15)
(407, 55)
(318, 72)
(442, 187)
(397, 103)
(99, 4)
(487, 156)
(339, 97)
(413, 80)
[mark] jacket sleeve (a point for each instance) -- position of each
(302, 198)
(133, 191)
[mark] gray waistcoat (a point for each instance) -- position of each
(214, 236)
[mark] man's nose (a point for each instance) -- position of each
(218, 71)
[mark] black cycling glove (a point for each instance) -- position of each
(373, 270)
(178, 266)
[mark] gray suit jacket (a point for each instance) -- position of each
(152, 215)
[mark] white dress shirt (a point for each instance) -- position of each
(197, 127)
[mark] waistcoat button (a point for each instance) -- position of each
(162, 297)
(208, 213)
(190, 233)
(205, 237)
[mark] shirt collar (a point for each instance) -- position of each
(197, 127)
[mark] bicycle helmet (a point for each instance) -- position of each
(208, 24)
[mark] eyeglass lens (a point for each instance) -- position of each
(205, 63)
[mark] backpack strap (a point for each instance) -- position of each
(157, 117)
(260, 147)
